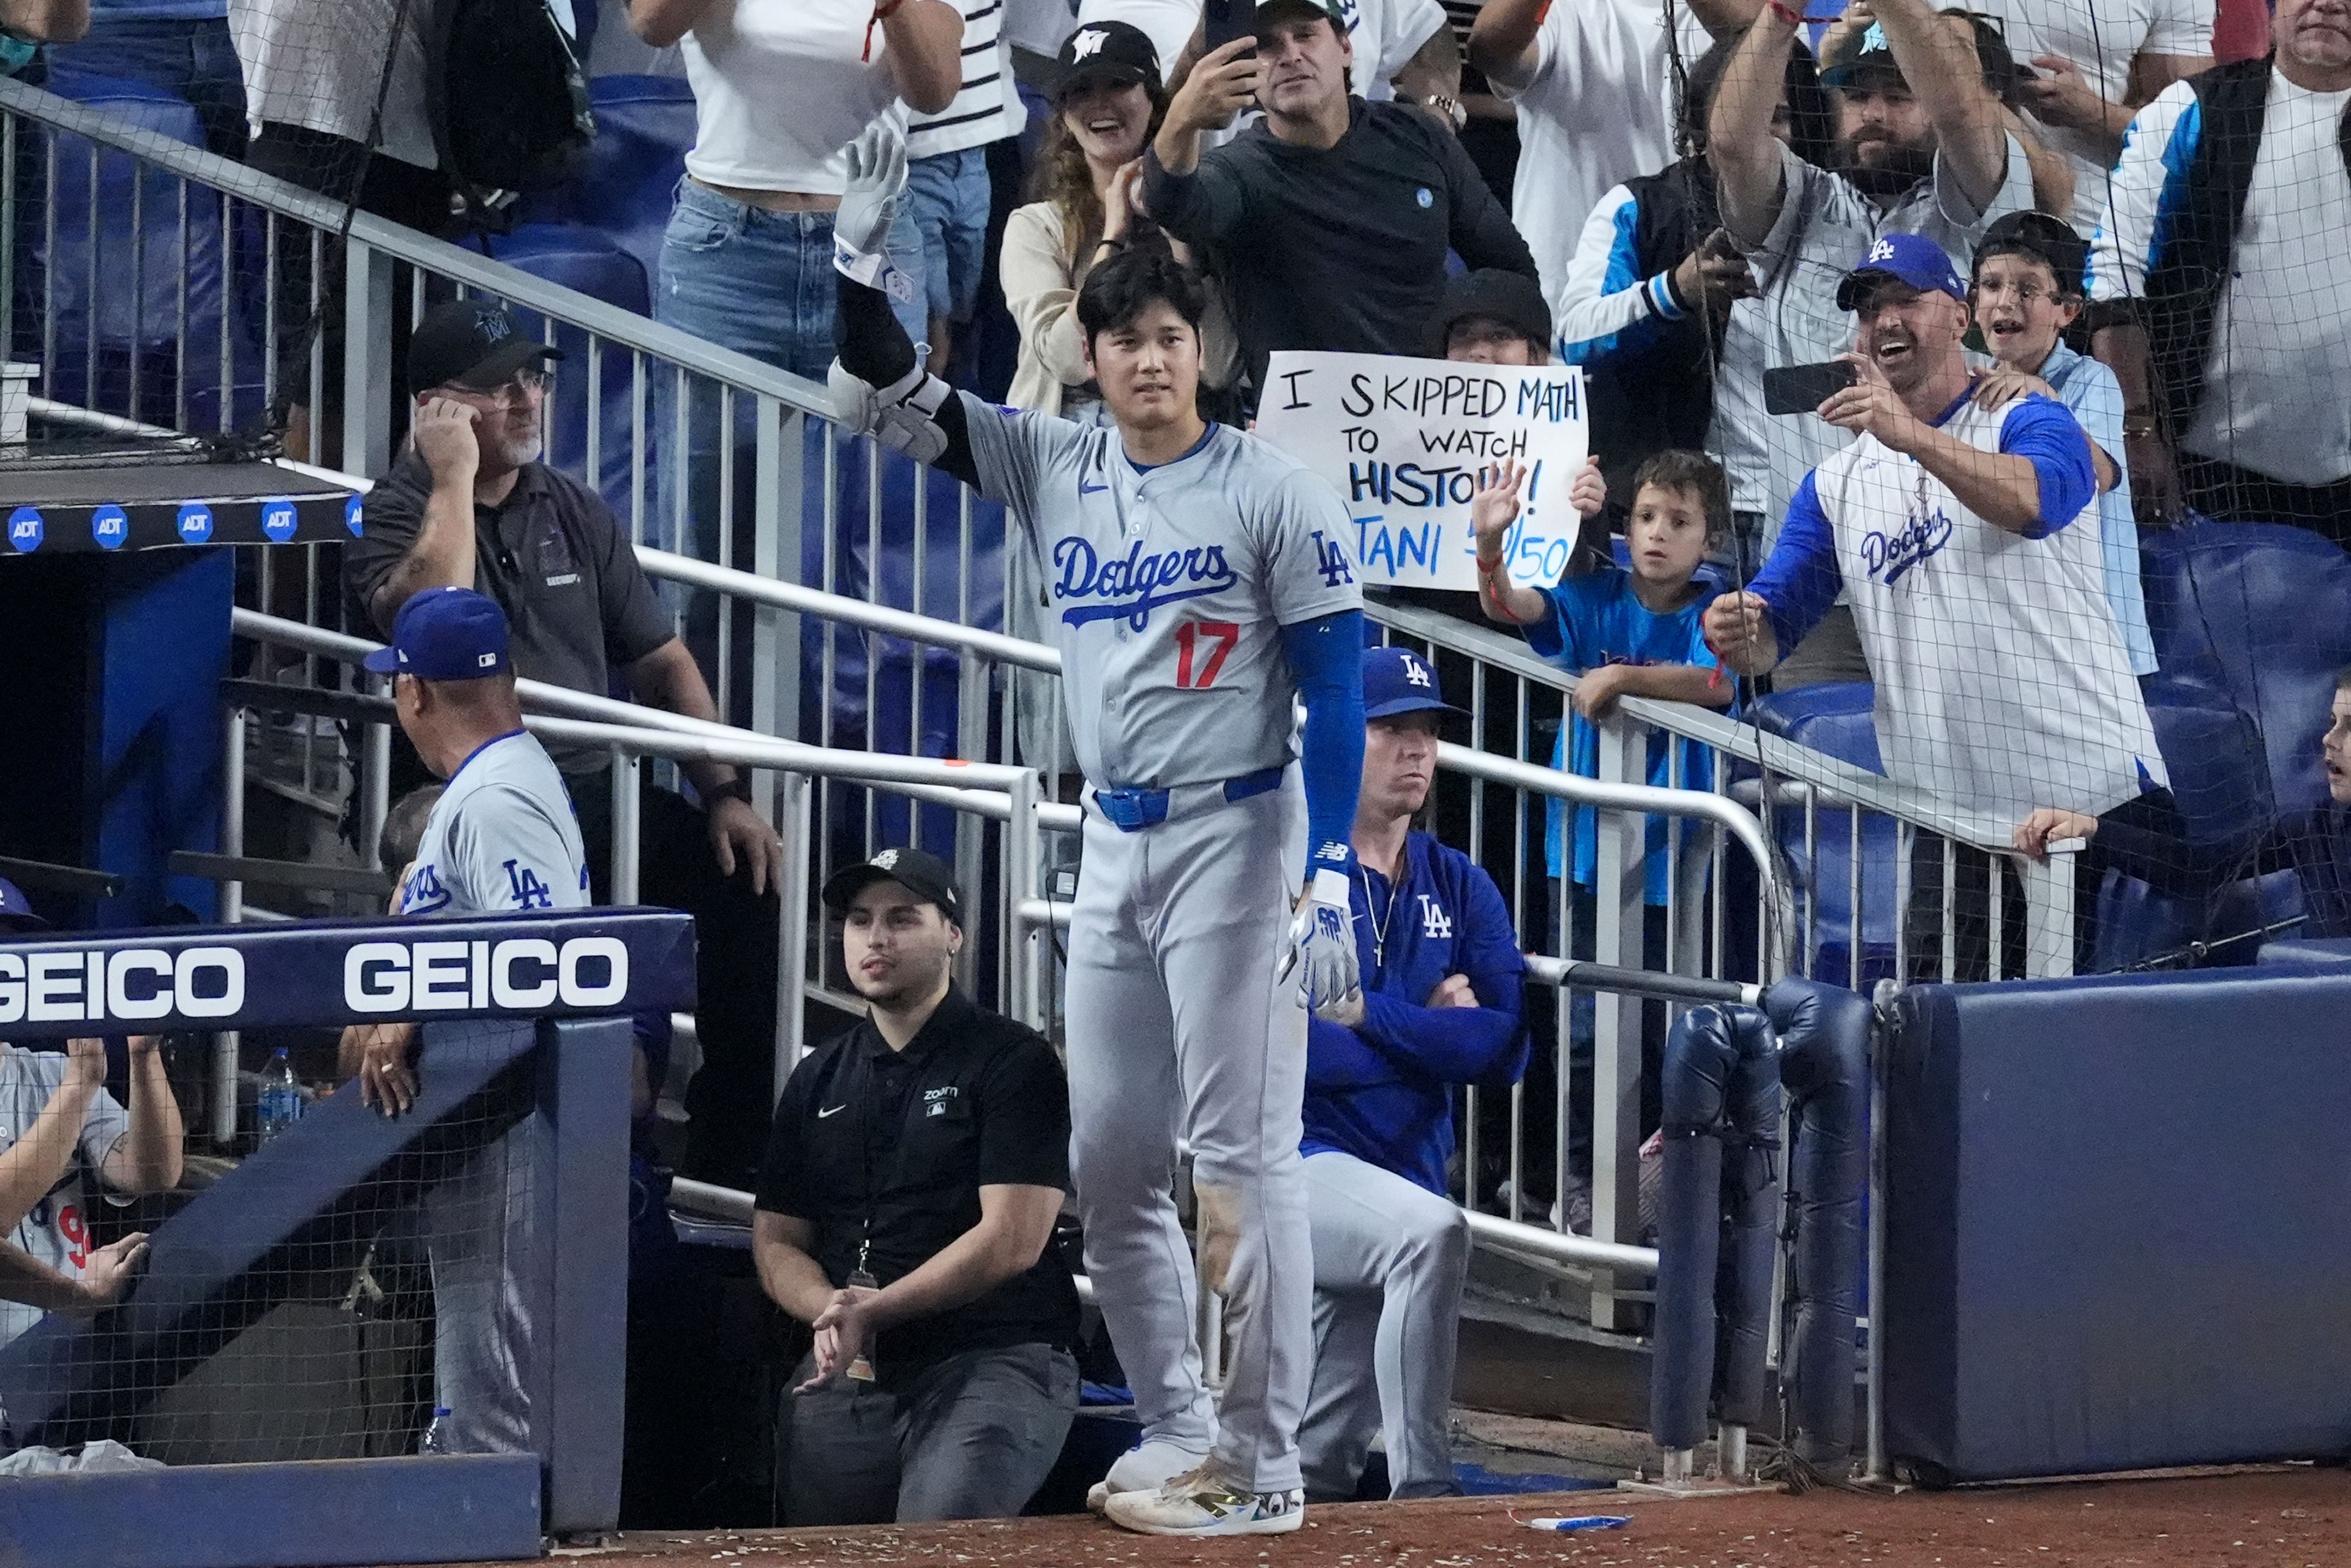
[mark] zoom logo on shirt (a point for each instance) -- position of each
(1130, 587)
(1889, 555)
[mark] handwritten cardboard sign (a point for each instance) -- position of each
(1404, 443)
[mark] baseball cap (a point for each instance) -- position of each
(1913, 259)
(2044, 238)
(470, 343)
(445, 634)
(1867, 50)
(925, 875)
(1118, 53)
(1397, 680)
(17, 910)
(1335, 11)
(1512, 298)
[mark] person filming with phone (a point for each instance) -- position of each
(1966, 540)
(1326, 187)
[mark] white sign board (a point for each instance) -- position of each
(1403, 442)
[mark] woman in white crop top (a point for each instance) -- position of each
(780, 88)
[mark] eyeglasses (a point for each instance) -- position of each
(2025, 294)
(518, 390)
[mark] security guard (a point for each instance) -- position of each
(916, 1169)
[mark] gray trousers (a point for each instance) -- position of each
(1389, 1261)
(489, 1288)
(972, 1438)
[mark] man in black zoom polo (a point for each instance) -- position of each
(916, 1169)
(470, 505)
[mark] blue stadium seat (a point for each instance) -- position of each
(1836, 720)
(595, 266)
(645, 126)
(2259, 615)
(126, 326)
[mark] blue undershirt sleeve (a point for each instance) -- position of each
(1326, 658)
(2047, 435)
(1800, 580)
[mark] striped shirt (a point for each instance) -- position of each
(984, 109)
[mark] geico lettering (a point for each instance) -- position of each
(91, 985)
(522, 974)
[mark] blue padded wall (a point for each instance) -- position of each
(2114, 1223)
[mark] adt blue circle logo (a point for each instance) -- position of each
(25, 529)
(1424, 197)
(277, 520)
(351, 512)
(195, 523)
(110, 526)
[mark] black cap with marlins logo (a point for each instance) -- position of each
(925, 875)
(473, 344)
(1109, 54)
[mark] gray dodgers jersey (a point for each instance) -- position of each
(1166, 589)
(56, 1229)
(501, 840)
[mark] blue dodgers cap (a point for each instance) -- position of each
(17, 910)
(1397, 680)
(1906, 259)
(445, 634)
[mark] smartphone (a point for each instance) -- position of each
(1225, 20)
(1801, 389)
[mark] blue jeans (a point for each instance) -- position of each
(188, 58)
(948, 194)
(761, 284)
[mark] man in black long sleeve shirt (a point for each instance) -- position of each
(1327, 223)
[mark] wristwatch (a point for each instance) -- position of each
(1449, 107)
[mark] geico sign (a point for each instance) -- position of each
(519, 974)
(133, 983)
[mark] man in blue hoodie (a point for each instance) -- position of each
(1439, 1006)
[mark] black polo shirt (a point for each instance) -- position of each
(557, 561)
(896, 1144)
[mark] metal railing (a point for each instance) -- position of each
(777, 571)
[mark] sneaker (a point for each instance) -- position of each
(1147, 1467)
(1203, 1502)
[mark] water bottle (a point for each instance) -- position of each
(281, 1096)
(437, 1439)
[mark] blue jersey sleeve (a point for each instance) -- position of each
(1326, 656)
(1485, 1045)
(2047, 435)
(1801, 578)
(1568, 609)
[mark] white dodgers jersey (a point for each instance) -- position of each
(501, 840)
(1166, 589)
(2002, 684)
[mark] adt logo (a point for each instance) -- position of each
(195, 523)
(25, 529)
(1330, 561)
(110, 526)
(277, 520)
(352, 512)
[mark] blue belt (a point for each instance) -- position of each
(1132, 810)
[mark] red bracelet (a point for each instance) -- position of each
(882, 13)
(1788, 13)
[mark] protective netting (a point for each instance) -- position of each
(330, 1278)
(2129, 651)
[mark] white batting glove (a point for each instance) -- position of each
(1322, 942)
(868, 206)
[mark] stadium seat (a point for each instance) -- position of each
(597, 267)
(115, 308)
(1836, 720)
(2259, 615)
(644, 126)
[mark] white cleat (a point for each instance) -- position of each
(1203, 1502)
(1145, 1467)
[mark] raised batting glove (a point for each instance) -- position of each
(868, 206)
(1322, 942)
(902, 416)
